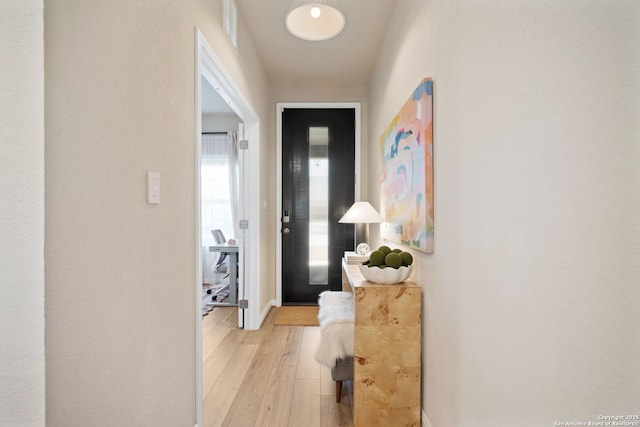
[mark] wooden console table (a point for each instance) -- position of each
(387, 360)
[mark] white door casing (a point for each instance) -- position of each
(209, 66)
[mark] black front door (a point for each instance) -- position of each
(318, 159)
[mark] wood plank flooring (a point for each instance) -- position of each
(267, 377)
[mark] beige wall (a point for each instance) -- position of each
(531, 296)
(22, 376)
(119, 272)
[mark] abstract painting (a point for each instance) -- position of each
(406, 181)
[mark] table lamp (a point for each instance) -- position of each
(362, 213)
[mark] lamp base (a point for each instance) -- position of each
(363, 249)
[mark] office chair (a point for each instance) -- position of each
(221, 264)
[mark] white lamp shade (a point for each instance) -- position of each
(325, 22)
(361, 213)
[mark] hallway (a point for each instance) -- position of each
(267, 377)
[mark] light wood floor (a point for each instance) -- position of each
(267, 377)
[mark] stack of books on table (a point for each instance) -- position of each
(354, 258)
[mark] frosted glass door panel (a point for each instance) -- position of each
(318, 205)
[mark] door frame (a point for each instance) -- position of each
(356, 106)
(209, 66)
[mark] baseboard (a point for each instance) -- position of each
(425, 420)
(265, 312)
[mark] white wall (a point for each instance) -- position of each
(22, 376)
(531, 296)
(220, 122)
(120, 298)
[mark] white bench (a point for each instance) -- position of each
(336, 318)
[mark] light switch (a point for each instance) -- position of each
(153, 187)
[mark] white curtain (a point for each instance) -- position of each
(219, 186)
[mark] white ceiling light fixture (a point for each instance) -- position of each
(315, 20)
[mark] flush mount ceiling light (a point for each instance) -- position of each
(315, 20)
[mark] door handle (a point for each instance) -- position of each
(285, 230)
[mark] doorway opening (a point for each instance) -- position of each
(308, 198)
(209, 71)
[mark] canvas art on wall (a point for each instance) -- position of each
(406, 190)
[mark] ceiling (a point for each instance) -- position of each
(348, 58)
(212, 101)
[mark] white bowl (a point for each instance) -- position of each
(387, 276)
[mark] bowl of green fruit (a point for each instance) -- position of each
(387, 266)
